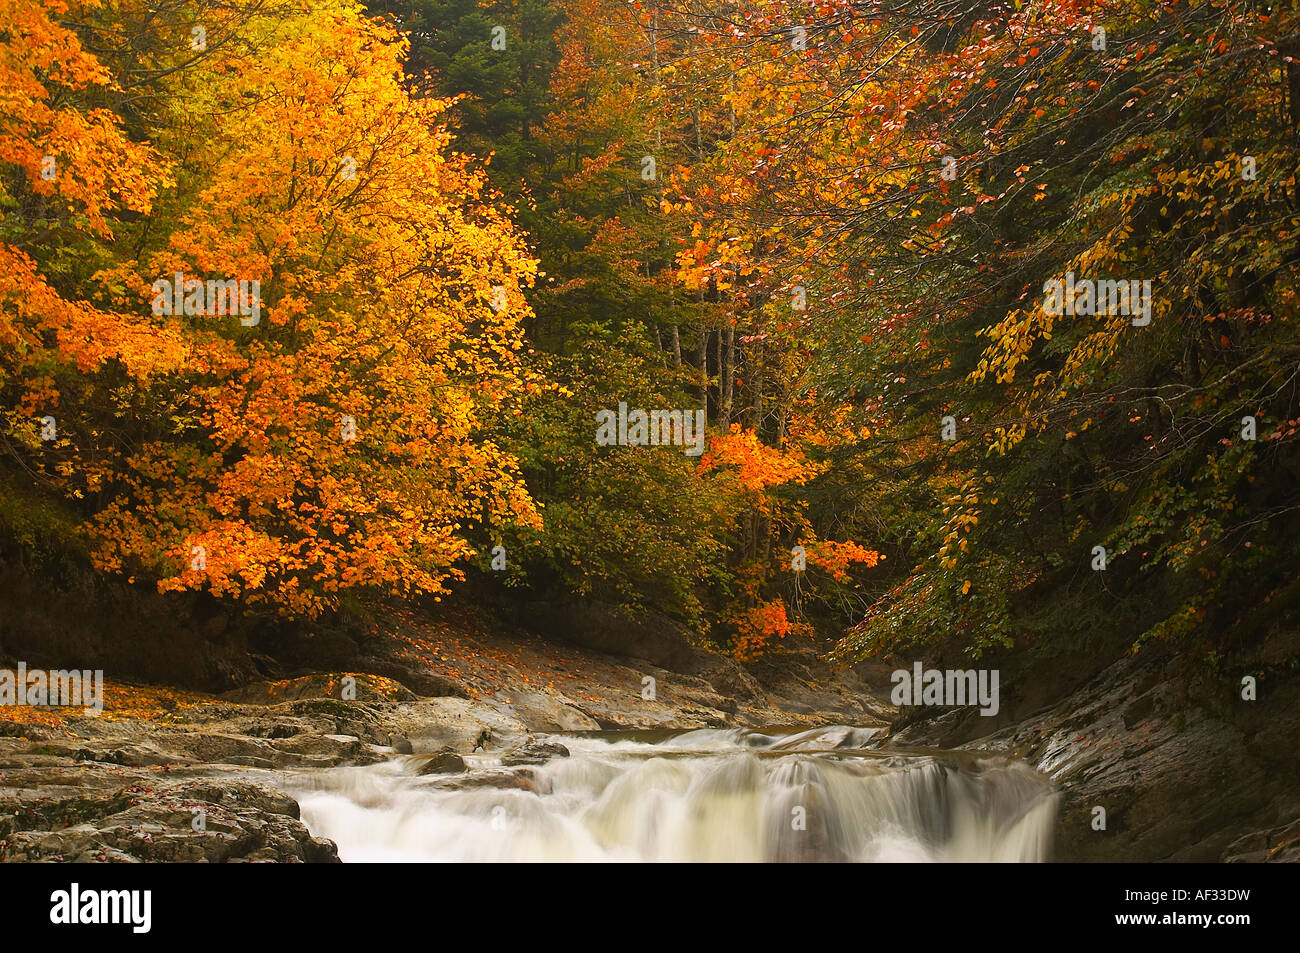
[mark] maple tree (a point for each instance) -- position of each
(72, 170)
(392, 293)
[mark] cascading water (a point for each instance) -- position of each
(708, 795)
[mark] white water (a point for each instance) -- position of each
(709, 795)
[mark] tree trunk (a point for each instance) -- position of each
(717, 363)
(703, 352)
(727, 374)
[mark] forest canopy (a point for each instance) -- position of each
(990, 309)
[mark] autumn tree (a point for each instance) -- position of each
(330, 437)
(923, 173)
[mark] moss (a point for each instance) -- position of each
(38, 522)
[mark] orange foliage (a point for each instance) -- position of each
(82, 165)
(121, 702)
(836, 557)
(757, 465)
(391, 293)
(756, 627)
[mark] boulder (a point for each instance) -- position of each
(534, 752)
(443, 761)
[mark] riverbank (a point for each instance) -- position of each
(165, 774)
(133, 782)
(1175, 764)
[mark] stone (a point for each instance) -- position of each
(534, 752)
(444, 761)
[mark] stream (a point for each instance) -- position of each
(704, 795)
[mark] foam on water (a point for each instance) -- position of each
(709, 795)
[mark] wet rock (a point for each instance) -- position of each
(367, 721)
(519, 779)
(443, 761)
(328, 750)
(550, 712)
(799, 681)
(1139, 711)
(179, 789)
(134, 755)
(190, 821)
(732, 681)
(425, 683)
(277, 728)
(431, 723)
(1278, 845)
(534, 752)
(13, 729)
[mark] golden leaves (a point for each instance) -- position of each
(391, 283)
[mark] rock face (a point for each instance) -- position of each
(1184, 770)
(584, 667)
(1278, 844)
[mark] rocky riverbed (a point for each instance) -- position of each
(201, 783)
(174, 776)
(192, 777)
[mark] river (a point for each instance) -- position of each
(707, 795)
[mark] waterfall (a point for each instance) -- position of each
(707, 795)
